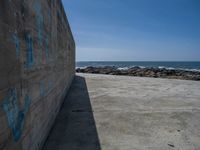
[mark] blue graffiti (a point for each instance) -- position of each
(39, 19)
(17, 44)
(45, 90)
(29, 46)
(15, 116)
(42, 89)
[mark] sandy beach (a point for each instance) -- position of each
(128, 113)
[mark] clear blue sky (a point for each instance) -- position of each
(135, 30)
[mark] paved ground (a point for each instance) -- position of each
(104, 112)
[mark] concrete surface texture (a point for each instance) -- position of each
(104, 112)
(37, 65)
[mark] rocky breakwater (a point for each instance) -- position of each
(143, 72)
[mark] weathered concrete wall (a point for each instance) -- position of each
(37, 65)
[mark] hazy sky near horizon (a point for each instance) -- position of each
(135, 30)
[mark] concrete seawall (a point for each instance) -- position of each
(37, 65)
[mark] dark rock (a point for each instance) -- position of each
(171, 145)
(78, 70)
(143, 72)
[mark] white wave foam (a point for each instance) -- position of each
(142, 67)
(123, 68)
(194, 70)
(168, 68)
(82, 67)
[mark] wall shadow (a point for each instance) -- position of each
(74, 128)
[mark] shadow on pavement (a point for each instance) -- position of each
(75, 128)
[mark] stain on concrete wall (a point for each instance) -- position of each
(39, 20)
(29, 50)
(37, 66)
(14, 114)
(16, 41)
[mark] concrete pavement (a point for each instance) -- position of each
(103, 112)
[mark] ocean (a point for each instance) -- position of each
(190, 66)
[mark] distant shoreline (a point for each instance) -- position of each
(143, 72)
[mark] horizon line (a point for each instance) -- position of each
(138, 61)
